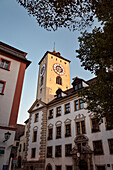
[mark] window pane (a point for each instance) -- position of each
(68, 130)
(83, 127)
(58, 132)
(58, 111)
(78, 128)
(68, 148)
(58, 151)
(81, 103)
(76, 105)
(95, 125)
(110, 142)
(1, 87)
(33, 152)
(49, 152)
(50, 133)
(67, 108)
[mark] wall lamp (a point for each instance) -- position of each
(7, 136)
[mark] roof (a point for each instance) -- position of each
(71, 91)
(26, 121)
(57, 54)
(14, 52)
(19, 131)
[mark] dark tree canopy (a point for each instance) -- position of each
(52, 14)
(72, 14)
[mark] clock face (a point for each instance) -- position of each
(42, 70)
(58, 69)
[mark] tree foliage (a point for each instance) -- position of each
(52, 14)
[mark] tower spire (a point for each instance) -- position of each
(54, 47)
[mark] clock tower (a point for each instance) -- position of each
(54, 73)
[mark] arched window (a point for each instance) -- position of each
(58, 80)
(42, 79)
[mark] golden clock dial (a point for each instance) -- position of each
(59, 69)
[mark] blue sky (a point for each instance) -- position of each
(22, 32)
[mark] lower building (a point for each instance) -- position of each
(62, 135)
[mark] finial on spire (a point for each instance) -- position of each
(54, 47)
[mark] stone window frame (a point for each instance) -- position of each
(80, 118)
(68, 122)
(58, 124)
(35, 132)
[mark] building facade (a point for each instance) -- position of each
(13, 63)
(62, 135)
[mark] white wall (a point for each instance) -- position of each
(6, 100)
(4, 159)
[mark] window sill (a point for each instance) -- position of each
(1, 93)
(4, 69)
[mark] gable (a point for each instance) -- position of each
(36, 105)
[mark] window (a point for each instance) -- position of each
(80, 127)
(58, 151)
(80, 146)
(50, 133)
(36, 117)
(33, 152)
(67, 108)
(68, 148)
(58, 80)
(78, 86)
(95, 125)
(49, 152)
(110, 142)
(4, 64)
(34, 135)
(58, 132)
(40, 90)
(78, 104)
(58, 167)
(17, 144)
(24, 147)
(100, 167)
(42, 79)
(58, 111)
(20, 148)
(98, 149)
(2, 86)
(68, 130)
(68, 167)
(50, 114)
(108, 125)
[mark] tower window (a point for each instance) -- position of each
(42, 79)
(58, 80)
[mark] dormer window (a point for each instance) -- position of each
(58, 80)
(76, 87)
(80, 85)
(59, 93)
